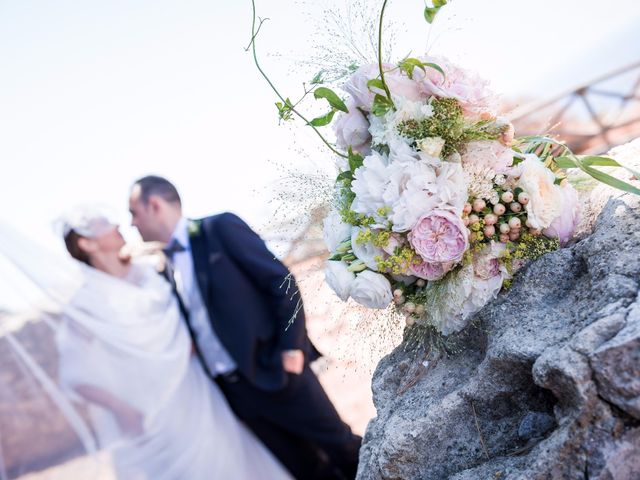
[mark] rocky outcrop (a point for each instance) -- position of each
(547, 385)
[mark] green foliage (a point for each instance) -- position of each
(431, 12)
(381, 105)
(334, 100)
(587, 163)
(323, 120)
(446, 122)
(375, 83)
(285, 110)
(355, 160)
(529, 247)
(484, 130)
(399, 262)
(317, 79)
(409, 64)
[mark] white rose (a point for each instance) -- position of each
(451, 187)
(366, 251)
(400, 151)
(369, 184)
(482, 293)
(339, 278)
(432, 146)
(410, 193)
(371, 290)
(545, 197)
(335, 231)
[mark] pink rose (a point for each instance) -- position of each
(398, 83)
(469, 89)
(352, 130)
(439, 237)
(563, 227)
(402, 86)
(430, 271)
(357, 87)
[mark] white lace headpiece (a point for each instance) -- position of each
(86, 220)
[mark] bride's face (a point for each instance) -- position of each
(110, 242)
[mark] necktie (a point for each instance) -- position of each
(173, 247)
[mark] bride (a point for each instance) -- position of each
(125, 353)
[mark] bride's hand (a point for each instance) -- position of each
(134, 250)
(293, 361)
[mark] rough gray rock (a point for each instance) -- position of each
(563, 342)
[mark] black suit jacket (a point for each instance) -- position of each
(252, 299)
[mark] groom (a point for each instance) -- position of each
(245, 315)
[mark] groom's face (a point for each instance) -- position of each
(144, 217)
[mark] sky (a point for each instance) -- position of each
(95, 94)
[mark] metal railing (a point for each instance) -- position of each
(591, 118)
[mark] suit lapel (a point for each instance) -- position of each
(199, 253)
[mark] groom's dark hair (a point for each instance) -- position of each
(160, 186)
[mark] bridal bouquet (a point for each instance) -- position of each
(438, 204)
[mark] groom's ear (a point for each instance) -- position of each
(155, 203)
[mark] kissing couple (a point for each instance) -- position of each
(202, 371)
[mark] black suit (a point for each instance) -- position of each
(255, 309)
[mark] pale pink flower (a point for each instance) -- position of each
(430, 271)
(398, 83)
(545, 197)
(563, 226)
(487, 155)
(486, 264)
(439, 237)
(395, 241)
(352, 130)
(468, 88)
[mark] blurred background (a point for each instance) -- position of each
(94, 95)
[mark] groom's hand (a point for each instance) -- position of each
(293, 361)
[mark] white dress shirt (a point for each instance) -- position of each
(216, 357)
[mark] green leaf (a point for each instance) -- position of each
(608, 162)
(611, 181)
(323, 120)
(381, 105)
(375, 83)
(565, 162)
(334, 100)
(355, 160)
(317, 79)
(430, 14)
(285, 109)
(586, 165)
(435, 66)
(409, 64)
(346, 175)
(589, 161)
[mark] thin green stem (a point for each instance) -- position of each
(254, 33)
(384, 84)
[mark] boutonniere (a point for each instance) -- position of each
(193, 227)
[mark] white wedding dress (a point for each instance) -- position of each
(125, 339)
